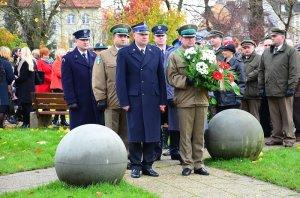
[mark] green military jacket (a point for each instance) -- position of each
(184, 96)
(104, 77)
(279, 71)
(251, 69)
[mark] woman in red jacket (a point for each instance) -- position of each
(44, 65)
(56, 85)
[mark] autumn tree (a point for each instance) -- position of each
(149, 11)
(256, 20)
(9, 40)
(33, 17)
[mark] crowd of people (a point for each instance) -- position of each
(136, 88)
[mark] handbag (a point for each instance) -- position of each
(39, 77)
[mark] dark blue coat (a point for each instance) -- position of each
(77, 87)
(140, 83)
(9, 77)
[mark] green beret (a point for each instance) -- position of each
(276, 30)
(214, 33)
(187, 30)
(121, 29)
(247, 42)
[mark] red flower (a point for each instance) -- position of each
(230, 77)
(224, 65)
(217, 75)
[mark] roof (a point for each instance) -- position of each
(69, 3)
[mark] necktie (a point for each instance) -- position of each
(143, 51)
(275, 50)
(85, 57)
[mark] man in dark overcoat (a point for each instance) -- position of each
(279, 75)
(141, 91)
(77, 68)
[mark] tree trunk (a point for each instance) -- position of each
(256, 21)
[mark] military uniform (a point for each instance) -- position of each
(104, 85)
(279, 74)
(77, 85)
(140, 84)
(192, 104)
(251, 100)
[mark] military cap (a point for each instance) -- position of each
(188, 30)
(229, 47)
(217, 33)
(159, 30)
(82, 34)
(248, 42)
(100, 46)
(140, 28)
(199, 37)
(276, 30)
(121, 29)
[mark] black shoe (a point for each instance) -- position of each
(55, 122)
(135, 173)
(64, 123)
(176, 157)
(12, 120)
(201, 171)
(150, 172)
(186, 172)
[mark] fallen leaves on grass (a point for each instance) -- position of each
(2, 157)
(99, 194)
(38, 151)
(41, 142)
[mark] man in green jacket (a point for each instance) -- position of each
(251, 100)
(278, 77)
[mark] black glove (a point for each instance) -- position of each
(171, 102)
(190, 82)
(102, 105)
(73, 106)
(289, 93)
(261, 93)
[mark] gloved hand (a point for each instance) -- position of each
(289, 93)
(102, 105)
(190, 82)
(171, 102)
(73, 106)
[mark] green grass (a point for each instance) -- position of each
(28, 149)
(280, 166)
(59, 189)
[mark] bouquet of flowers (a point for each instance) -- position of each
(203, 68)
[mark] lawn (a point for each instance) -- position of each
(58, 189)
(28, 149)
(280, 166)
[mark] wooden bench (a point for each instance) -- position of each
(46, 105)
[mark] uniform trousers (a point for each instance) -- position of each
(116, 120)
(281, 113)
(191, 126)
(252, 106)
(141, 154)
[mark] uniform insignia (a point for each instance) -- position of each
(149, 49)
(133, 49)
(159, 27)
(98, 59)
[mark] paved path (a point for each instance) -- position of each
(169, 184)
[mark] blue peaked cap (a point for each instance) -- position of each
(140, 28)
(159, 30)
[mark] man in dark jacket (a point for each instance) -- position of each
(278, 74)
(141, 91)
(77, 82)
(251, 100)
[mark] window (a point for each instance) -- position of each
(71, 19)
(85, 18)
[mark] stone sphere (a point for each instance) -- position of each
(234, 133)
(90, 154)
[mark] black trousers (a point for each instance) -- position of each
(26, 109)
(141, 154)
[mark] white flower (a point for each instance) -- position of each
(190, 51)
(202, 68)
(209, 55)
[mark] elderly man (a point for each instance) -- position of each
(278, 75)
(251, 100)
(104, 82)
(141, 91)
(191, 105)
(76, 81)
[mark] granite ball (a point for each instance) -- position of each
(234, 133)
(90, 154)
